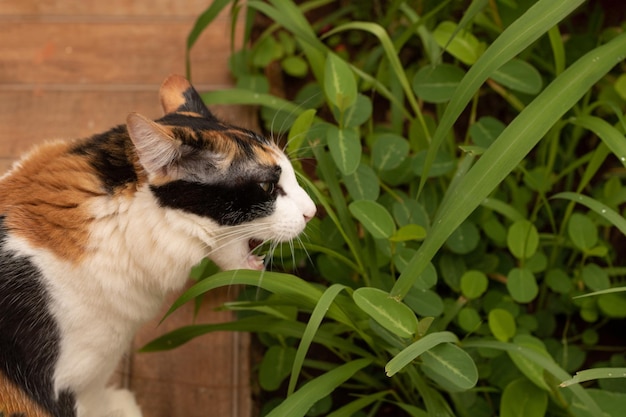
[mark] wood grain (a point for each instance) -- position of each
(76, 54)
(120, 8)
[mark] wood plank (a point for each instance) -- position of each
(105, 8)
(80, 53)
(27, 118)
(31, 117)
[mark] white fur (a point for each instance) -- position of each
(137, 253)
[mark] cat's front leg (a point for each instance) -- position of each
(108, 403)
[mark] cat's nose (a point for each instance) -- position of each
(309, 213)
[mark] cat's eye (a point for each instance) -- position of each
(268, 187)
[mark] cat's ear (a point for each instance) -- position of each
(157, 150)
(178, 95)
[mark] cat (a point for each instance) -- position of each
(95, 232)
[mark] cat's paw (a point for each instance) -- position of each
(110, 403)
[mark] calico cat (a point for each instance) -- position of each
(95, 232)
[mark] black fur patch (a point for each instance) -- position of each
(227, 204)
(109, 154)
(194, 103)
(29, 336)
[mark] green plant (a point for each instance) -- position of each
(467, 161)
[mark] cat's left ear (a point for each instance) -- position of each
(157, 150)
(178, 95)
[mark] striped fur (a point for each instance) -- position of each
(95, 232)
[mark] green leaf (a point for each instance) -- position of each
(359, 404)
(409, 232)
(522, 285)
(355, 115)
(595, 278)
(414, 350)
(286, 285)
(276, 366)
(596, 373)
(469, 319)
(559, 281)
(389, 151)
(602, 209)
(522, 239)
(390, 313)
(362, 184)
(339, 83)
(451, 367)
(532, 370)
(426, 303)
(374, 217)
(299, 130)
(312, 327)
(611, 137)
(582, 231)
(620, 86)
(522, 398)
(441, 165)
(302, 400)
(520, 76)
(458, 42)
(502, 324)
(437, 83)
(464, 239)
(241, 96)
(474, 284)
(345, 148)
(613, 305)
(485, 131)
(203, 21)
(295, 66)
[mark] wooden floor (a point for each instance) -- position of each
(72, 68)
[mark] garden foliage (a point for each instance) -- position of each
(467, 159)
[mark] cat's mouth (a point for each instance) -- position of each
(255, 261)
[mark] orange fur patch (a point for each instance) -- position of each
(44, 200)
(14, 401)
(172, 91)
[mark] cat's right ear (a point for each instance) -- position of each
(178, 95)
(157, 150)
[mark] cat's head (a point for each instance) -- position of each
(234, 187)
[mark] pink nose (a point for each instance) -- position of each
(307, 217)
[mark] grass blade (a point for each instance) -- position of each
(302, 400)
(600, 208)
(204, 20)
(243, 96)
(597, 373)
(284, 284)
(408, 354)
(611, 137)
(312, 326)
(510, 148)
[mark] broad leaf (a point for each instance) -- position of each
(451, 367)
(521, 398)
(345, 148)
(374, 217)
(339, 83)
(390, 313)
